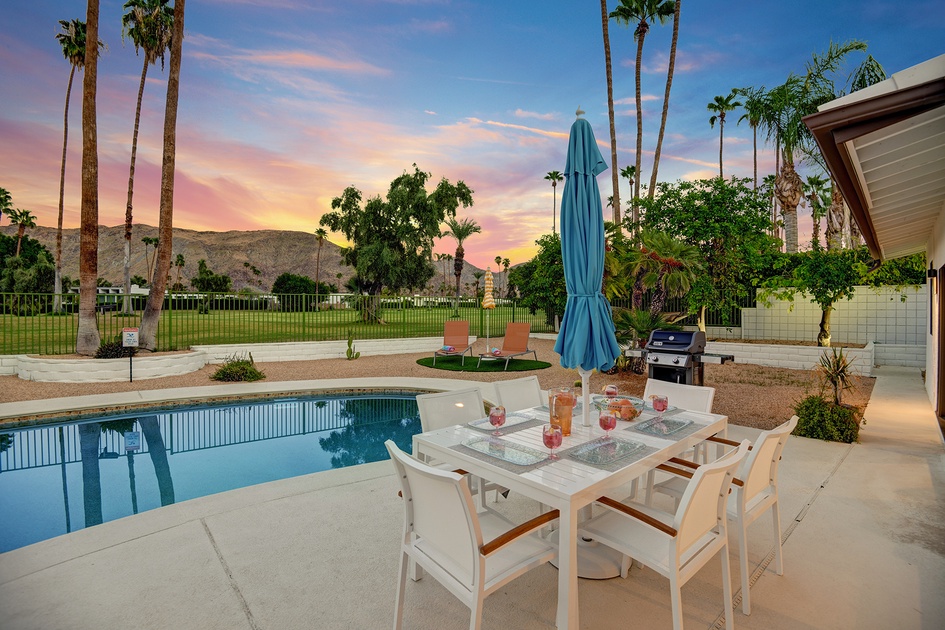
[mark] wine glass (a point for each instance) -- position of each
(497, 419)
(610, 391)
(551, 436)
(660, 404)
(607, 421)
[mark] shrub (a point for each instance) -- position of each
(837, 374)
(823, 420)
(238, 368)
(114, 350)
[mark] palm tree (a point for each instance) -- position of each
(754, 111)
(669, 85)
(179, 263)
(148, 24)
(152, 311)
(505, 270)
(643, 13)
(818, 198)
(6, 202)
(447, 259)
(460, 230)
(72, 40)
(478, 276)
(630, 172)
(554, 177)
(666, 265)
(22, 219)
(320, 235)
(610, 107)
(87, 337)
(722, 105)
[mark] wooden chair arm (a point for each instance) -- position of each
(518, 531)
(637, 514)
(715, 438)
(675, 471)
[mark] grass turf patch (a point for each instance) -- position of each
(454, 364)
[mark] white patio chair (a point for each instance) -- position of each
(471, 553)
(754, 492)
(676, 545)
(519, 393)
(446, 409)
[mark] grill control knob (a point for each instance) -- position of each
(676, 360)
(655, 358)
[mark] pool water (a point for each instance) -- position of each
(62, 477)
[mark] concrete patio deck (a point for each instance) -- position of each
(863, 526)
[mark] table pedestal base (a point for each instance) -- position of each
(594, 560)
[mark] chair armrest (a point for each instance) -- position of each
(683, 462)
(640, 516)
(675, 471)
(714, 438)
(517, 532)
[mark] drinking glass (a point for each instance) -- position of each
(610, 391)
(551, 436)
(497, 419)
(660, 404)
(607, 421)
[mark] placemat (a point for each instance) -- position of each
(673, 433)
(513, 422)
(612, 466)
(495, 461)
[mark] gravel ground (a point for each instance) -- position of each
(750, 395)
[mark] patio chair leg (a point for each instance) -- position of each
(401, 586)
(727, 589)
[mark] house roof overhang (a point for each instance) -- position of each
(885, 147)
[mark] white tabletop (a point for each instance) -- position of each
(566, 484)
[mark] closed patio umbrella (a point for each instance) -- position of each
(586, 339)
(488, 302)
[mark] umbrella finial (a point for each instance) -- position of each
(579, 112)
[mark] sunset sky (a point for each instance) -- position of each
(284, 103)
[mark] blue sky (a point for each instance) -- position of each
(285, 103)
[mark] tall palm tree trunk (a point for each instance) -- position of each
(458, 272)
(87, 338)
(615, 175)
(669, 85)
(721, 127)
(126, 306)
(639, 102)
(152, 312)
(788, 187)
(91, 474)
(754, 147)
(20, 231)
(57, 300)
(158, 452)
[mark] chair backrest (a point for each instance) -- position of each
(692, 397)
(447, 409)
(702, 507)
(456, 333)
(519, 393)
(516, 337)
(760, 468)
(441, 515)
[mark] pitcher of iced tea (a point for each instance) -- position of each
(561, 402)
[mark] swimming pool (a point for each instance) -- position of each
(65, 476)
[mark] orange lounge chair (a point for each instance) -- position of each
(455, 336)
(514, 344)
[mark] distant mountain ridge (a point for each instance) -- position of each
(272, 252)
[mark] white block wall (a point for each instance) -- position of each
(791, 357)
(49, 369)
(309, 350)
(872, 315)
(904, 355)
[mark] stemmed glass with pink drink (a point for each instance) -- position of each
(497, 419)
(607, 421)
(551, 436)
(660, 404)
(611, 391)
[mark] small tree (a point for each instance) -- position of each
(540, 281)
(207, 281)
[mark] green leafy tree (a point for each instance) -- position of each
(540, 281)
(6, 202)
(554, 177)
(298, 292)
(392, 239)
(460, 230)
(825, 276)
(22, 219)
(642, 13)
(138, 280)
(148, 24)
(666, 265)
(720, 106)
(818, 199)
(207, 281)
(728, 223)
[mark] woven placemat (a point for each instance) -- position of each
(501, 463)
(641, 426)
(505, 428)
(611, 466)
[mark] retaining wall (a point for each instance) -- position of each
(791, 357)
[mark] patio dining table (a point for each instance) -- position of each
(590, 464)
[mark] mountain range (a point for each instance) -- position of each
(234, 253)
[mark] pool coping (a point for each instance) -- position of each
(28, 413)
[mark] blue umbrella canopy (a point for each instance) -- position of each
(586, 339)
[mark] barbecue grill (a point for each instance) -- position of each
(678, 356)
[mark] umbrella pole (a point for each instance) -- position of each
(585, 396)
